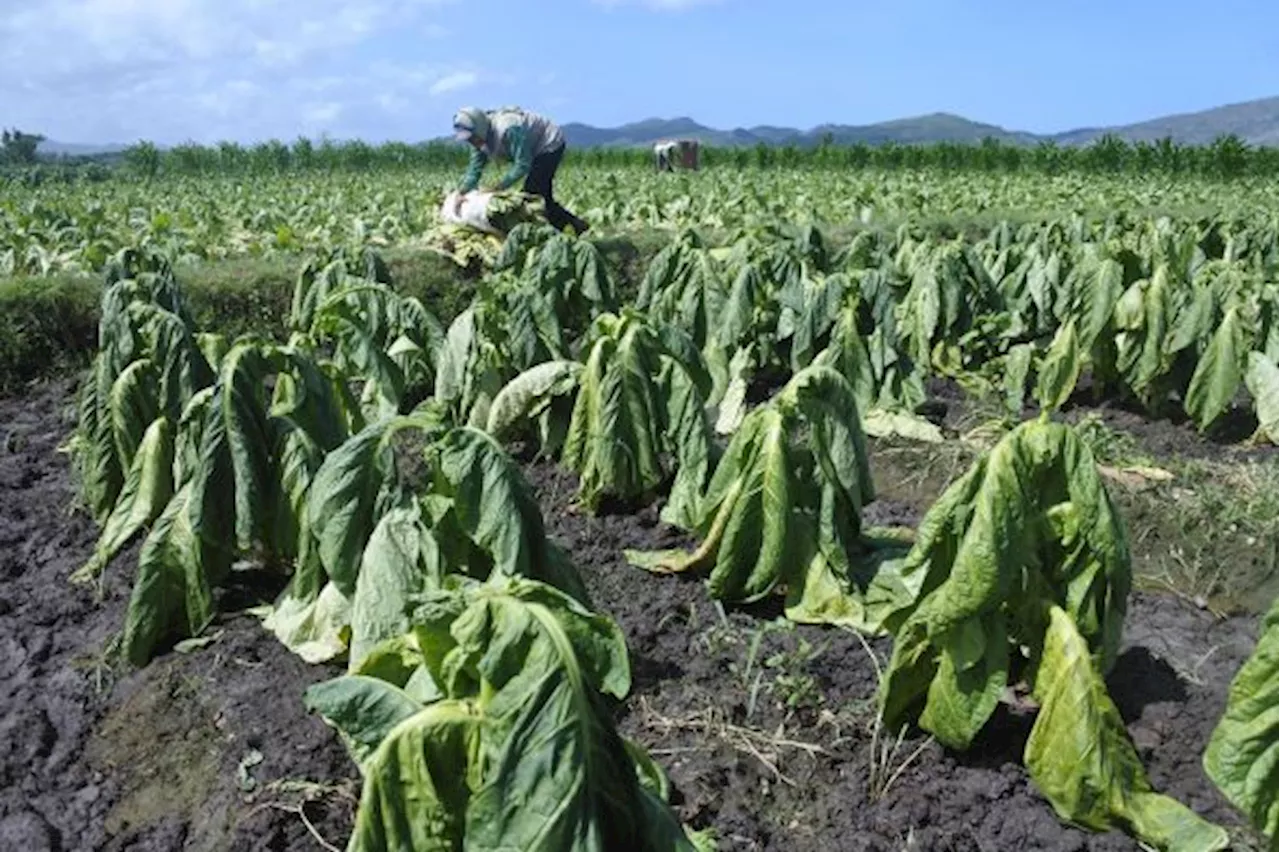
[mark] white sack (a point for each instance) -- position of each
(472, 214)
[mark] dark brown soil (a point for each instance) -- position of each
(769, 777)
(1169, 433)
(190, 752)
(148, 761)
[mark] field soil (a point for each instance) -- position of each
(765, 729)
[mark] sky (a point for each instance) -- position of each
(116, 71)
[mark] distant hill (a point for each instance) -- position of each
(928, 128)
(52, 148)
(1257, 122)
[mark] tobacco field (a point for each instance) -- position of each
(793, 509)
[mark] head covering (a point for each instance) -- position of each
(469, 122)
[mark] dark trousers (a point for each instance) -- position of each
(538, 182)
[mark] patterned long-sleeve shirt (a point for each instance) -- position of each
(516, 135)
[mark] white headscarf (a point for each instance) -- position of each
(469, 122)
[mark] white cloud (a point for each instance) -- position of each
(172, 70)
(321, 115)
(454, 82)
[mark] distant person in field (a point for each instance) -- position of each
(534, 145)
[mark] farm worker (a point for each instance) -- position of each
(533, 143)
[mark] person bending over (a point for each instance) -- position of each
(533, 143)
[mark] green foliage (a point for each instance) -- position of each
(1241, 758)
(484, 725)
(49, 324)
(46, 327)
(18, 148)
(785, 514)
(343, 428)
(1020, 572)
(210, 214)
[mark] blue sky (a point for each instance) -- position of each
(205, 70)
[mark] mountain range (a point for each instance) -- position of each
(1257, 122)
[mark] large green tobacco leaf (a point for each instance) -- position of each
(98, 466)
(1080, 757)
(190, 433)
(307, 420)
(172, 595)
(632, 410)
(574, 274)
(756, 549)
(401, 559)
(181, 365)
(212, 478)
(846, 352)
(612, 440)
(109, 398)
(351, 491)
(850, 584)
(826, 401)
(469, 369)
(1060, 368)
(416, 791)
(751, 535)
(1194, 321)
(147, 490)
(1016, 368)
(1263, 381)
(686, 429)
(244, 408)
(311, 399)
(762, 531)
(363, 709)
(190, 546)
(823, 303)
(529, 394)
(1218, 372)
(133, 405)
(385, 338)
(494, 508)
(1098, 283)
(1142, 318)
(729, 394)
(534, 331)
(331, 270)
(1244, 749)
(1029, 524)
(379, 545)
(683, 285)
(520, 751)
(847, 573)
(149, 365)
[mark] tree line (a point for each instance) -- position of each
(18, 148)
(1227, 157)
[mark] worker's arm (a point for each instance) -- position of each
(474, 168)
(516, 141)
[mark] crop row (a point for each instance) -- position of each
(363, 461)
(1229, 156)
(77, 227)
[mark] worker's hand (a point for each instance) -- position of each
(457, 203)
